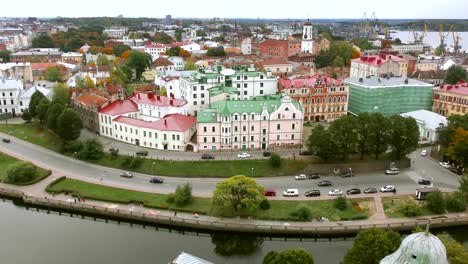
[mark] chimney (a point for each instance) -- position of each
(171, 102)
(379, 61)
(139, 97)
(150, 95)
(158, 97)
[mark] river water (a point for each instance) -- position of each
(432, 38)
(29, 236)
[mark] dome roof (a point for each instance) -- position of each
(418, 248)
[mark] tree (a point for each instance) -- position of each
(61, 94)
(455, 74)
(364, 44)
(363, 129)
(21, 172)
(372, 245)
(189, 65)
(89, 83)
(216, 52)
(26, 116)
(53, 74)
(340, 203)
(435, 202)
(162, 37)
(184, 53)
(102, 60)
(163, 91)
(183, 194)
(42, 109)
(128, 72)
(34, 102)
(119, 49)
(53, 113)
(397, 41)
(356, 54)
(69, 125)
(173, 51)
(320, 143)
(290, 256)
(80, 82)
(403, 135)
(42, 40)
(119, 76)
(464, 185)
(458, 148)
(456, 202)
(275, 160)
(238, 194)
(338, 62)
(302, 213)
(5, 56)
(454, 122)
(439, 51)
(378, 134)
(139, 61)
(344, 136)
(92, 150)
(178, 34)
(456, 252)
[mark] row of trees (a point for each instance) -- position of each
(366, 134)
(454, 138)
(338, 55)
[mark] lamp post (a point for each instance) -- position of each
(351, 171)
(252, 172)
(152, 168)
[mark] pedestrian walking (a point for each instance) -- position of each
(175, 213)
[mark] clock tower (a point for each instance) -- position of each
(307, 38)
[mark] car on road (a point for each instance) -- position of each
(346, 174)
(291, 193)
(423, 181)
(312, 193)
(142, 153)
(424, 152)
(300, 177)
(6, 140)
(445, 164)
(370, 190)
(456, 171)
(156, 180)
(207, 157)
(388, 188)
(126, 174)
(244, 155)
(266, 153)
(269, 192)
(325, 183)
(392, 171)
(353, 191)
(313, 176)
(336, 192)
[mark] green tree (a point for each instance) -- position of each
(26, 116)
(163, 38)
(372, 245)
(290, 256)
(435, 202)
(128, 72)
(61, 94)
(458, 149)
(412, 210)
(53, 74)
(42, 109)
(455, 74)
(178, 34)
(454, 122)
(340, 203)
(119, 49)
(456, 202)
(34, 102)
(302, 213)
(378, 136)
(119, 76)
(439, 51)
(163, 91)
(42, 40)
(364, 44)
(183, 194)
(102, 60)
(216, 52)
(80, 82)
(92, 150)
(464, 185)
(320, 143)
(173, 51)
(5, 56)
(363, 129)
(238, 194)
(69, 125)
(275, 160)
(189, 65)
(397, 41)
(21, 172)
(139, 61)
(456, 252)
(344, 136)
(403, 135)
(338, 62)
(53, 113)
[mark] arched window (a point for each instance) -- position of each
(318, 100)
(286, 109)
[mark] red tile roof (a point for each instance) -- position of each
(113, 88)
(120, 107)
(91, 99)
(157, 100)
(175, 122)
(43, 66)
(378, 59)
(275, 61)
(309, 82)
(155, 46)
(161, 61)
(459, 88)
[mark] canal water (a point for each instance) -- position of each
(31, 236)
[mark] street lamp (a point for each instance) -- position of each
(351, 171)
(252, 172)
(152, 168)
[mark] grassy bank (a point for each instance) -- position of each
(33, 133)
(6, 162)
(280, 210)
(394, 206)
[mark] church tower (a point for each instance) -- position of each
(307, 38)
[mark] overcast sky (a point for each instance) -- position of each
(454, 9)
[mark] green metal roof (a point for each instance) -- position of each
(222, 89)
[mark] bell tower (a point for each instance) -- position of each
(307, 37)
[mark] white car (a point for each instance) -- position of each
(444, 164)
(243, 155)
(392, 171)
(335, 192)
(300, 177)
(423, 152)
(388, 188)
(291, 192)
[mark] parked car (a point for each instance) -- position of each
(244, 155)
(269, 192)
(313, 176)
(388, 188)
(370, 190)
(142, 153)
(424, 152)
(291, 192)
(325, 183)
(207, 157)
(392, 171)
(126, 174)
(156, 180)
(444, 164)
(456, 171)
(336, 192)
(312, 193)
(353, 191)
(423, 181)
(346, 174)
(300, 177)
(6, 140)
(266, 153)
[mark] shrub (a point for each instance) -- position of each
(302, 213)
(130, 162)
(114, 153)
(456, 202)
(435, 202)
(170, 198)
(275, 160)
(183, 194)
(412, 210)
(21, 172)
(72, 146)
(265, 204)
(92, 150)
(341, 203)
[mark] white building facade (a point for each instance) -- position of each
(307, 43)
(10, 90)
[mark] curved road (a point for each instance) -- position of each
(405, 182)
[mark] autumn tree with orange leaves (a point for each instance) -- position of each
(458, 148)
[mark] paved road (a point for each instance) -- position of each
(405, 182)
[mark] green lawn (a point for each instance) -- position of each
(395, 209)
(280, 210)
(7, 161)
(33, 133)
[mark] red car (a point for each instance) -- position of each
(269, 192)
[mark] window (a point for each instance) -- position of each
(244, 117)
(11, 94)
(173, 137)
(252, 117)
(165, 137)
(294, 115)
(244, 128)
(235, 129)
(213, 139)
(194, 102)
(245, 77)
(292, 136)
(21, 103)
(202, 88)
(144, 133)
(204, 140)
(213, 129)
(245, 92)
(251, 138)
(202, 102)
(235, 117)
(261, 91)
(286, 109)
(238, 85)
(278, 127)
(195, 96)
(235, 139)
(194, 88)
(293, 126)
(245, 85)
(261, 84)
(243, 138)
(202, 95)
(238, 78)
(261, 76)
(278, 137)
(279, 116)
(252, 128)
(204, 129)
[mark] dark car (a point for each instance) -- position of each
(313, 176)
(346, 175)
(325, 183)
(370, 190)
(6, 140)
(423, 181)
(142, 153)
(353, 191)
(269, 192)
(456, 171)
(266, 153)
(207, 157)
(156, 180)
(312, 193)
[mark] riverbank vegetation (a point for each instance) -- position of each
(18, 172)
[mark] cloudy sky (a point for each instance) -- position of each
(454, 9)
